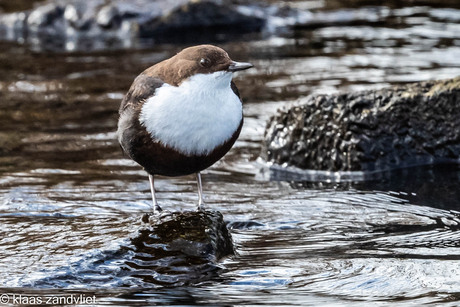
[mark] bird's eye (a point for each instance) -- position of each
(205, 62)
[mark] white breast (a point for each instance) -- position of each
(195, 117)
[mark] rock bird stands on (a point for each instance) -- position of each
(183, 114)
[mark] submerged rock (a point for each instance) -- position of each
(369, 131)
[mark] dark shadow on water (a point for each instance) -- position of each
(434, 186)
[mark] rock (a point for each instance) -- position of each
(99, 24)
(201, 15)
(369, 131)
(71, 23)
(44, 16)
(109, 17)
(201, 234)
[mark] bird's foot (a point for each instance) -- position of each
(156, 209)
(200, 206)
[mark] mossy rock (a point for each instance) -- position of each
(202, 234)
(368, 131)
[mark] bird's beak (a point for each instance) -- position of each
(237, 66)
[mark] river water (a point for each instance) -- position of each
(70, 202)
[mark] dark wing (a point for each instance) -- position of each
(235, 89)
(129, 130)
(143, 87)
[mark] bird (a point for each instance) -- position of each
(182, 115)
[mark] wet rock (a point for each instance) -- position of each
(370, 131)
(200, 15)
(200, 234)
(109, 17)
(44, 16)
(97, 24)
(77, 22)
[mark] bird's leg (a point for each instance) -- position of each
(200, 190)
(154, 199)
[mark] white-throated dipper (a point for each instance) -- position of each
(183, 114)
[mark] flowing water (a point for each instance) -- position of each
(71, 203)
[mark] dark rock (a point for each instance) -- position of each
(196, 15)
(85, 25)
(75, 17)
(44, 16)
(200, 234)
(369, 131)
(73, 23)
(109, 17)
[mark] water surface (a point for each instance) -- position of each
(71, 202)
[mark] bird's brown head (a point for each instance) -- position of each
(202, 59)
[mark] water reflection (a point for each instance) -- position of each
(433, 186)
